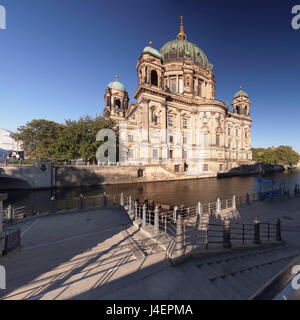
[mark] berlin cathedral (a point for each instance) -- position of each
(176, 121)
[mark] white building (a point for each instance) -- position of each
(7, 144)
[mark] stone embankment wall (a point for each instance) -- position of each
(38, 176)
(72, 176)
(257, 168)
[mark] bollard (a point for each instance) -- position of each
(256, 232)
(179, 248)
(278, 230)
(104, 200)
(247, 199)
(81, 201)
(135, 210)
(122, 199)
(226, 234)
(144, 215)
(175, 214)
(218, 206)
(233, 203)
(130, 205)
(9, 212)
(52, 205)
(199, 209)
(156, 220)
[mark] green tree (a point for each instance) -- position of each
(256, 153)
(48, 140)
(38, 138)
(287, 155)
(268, 156)
(283, 154)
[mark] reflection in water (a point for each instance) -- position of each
(187, 192)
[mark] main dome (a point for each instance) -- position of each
(181, 49)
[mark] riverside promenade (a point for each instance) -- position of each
(99, 254)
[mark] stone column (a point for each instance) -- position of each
(203, 92)
(144, 155)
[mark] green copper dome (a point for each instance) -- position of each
(116, 85)
(181, 49)
(152, 51)
(241, 93)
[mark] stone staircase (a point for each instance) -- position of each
(238, 276)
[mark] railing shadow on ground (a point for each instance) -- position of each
(46, 265)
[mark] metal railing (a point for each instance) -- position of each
(190, 227)
(275, 195)
(27, 209)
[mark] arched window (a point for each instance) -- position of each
(154, 78)
(108, 101)
(237, 110)
(245, 111)
(117, 104)
(140, 173)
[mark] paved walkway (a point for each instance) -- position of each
(98, 254)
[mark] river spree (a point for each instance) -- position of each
(187, 192)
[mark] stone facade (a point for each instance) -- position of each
(176, 120)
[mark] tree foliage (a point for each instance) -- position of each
(48, 140)
(283, 155)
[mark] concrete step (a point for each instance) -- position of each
(205, 289)
(246, 283)
(237, 285)
(227, 291)
(252, 276)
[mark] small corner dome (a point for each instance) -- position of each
(152, 51)
(241, 93)
(116, 85)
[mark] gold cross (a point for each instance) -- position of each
(181, 17)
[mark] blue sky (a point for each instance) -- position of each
(57, 56)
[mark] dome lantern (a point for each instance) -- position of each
(181, 35)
